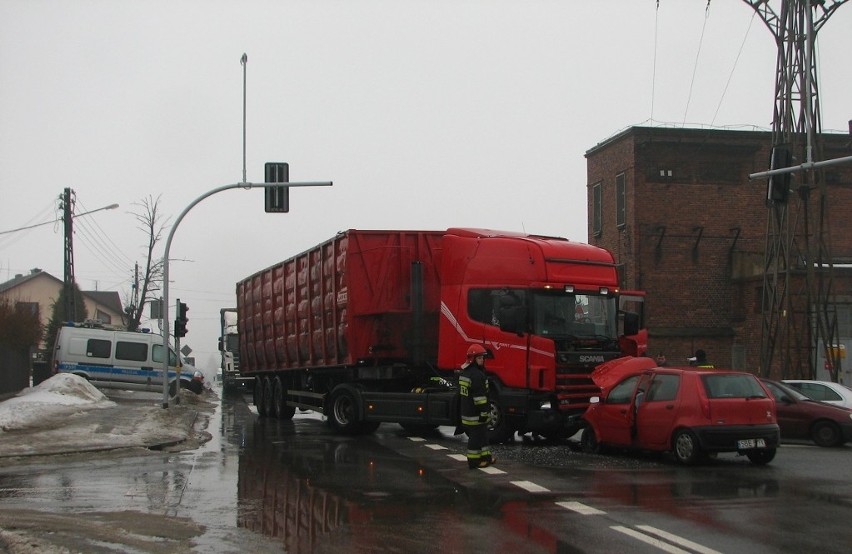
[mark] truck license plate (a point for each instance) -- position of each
(751, 443)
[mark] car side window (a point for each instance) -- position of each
(819, 392)
(663, 388)
(622, 393)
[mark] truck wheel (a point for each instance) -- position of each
(343, 412)
(264, 396)
(280, 408)
(257, 394)
(498, 427)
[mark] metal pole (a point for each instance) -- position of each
(244, 62)
(165, 327)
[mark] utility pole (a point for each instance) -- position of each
(68, 280)
(799, 316)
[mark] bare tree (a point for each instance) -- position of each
(151, 279)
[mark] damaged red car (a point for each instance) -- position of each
(691, 412)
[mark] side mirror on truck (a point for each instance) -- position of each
(631, 324)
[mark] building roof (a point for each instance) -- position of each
(107, 298)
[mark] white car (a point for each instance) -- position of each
(824, 391)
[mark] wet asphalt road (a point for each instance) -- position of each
(267, 486)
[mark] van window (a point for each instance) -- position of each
(157, 355)
(97, 348)
(133, 351)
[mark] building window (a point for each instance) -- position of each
(597, 217)
(103, 317)
(28, 308)
(620, 200)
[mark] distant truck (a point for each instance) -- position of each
(371, 327)
(229, 348)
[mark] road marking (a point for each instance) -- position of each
(580, 508)
(649, 540)
(459, 457)
(417, 439)
(677, 540)
(492, 470)
(436, 447)
(529, 486)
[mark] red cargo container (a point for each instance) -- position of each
(370, 325)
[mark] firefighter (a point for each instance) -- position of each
(475, 410)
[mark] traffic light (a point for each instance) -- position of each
(180, 321)
(277, 197)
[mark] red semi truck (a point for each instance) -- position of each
(371, 326)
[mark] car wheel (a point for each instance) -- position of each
(589, 442)
(825, 433)
(761, 457)
(685, 447)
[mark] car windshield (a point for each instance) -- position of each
(574, 315)
(732, 385)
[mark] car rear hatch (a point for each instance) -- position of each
(736, 399)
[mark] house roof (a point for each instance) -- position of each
(21, 279)
(107, 298)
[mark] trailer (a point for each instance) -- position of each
(372, 326)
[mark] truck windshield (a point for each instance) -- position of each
(557, 314)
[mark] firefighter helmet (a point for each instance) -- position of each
(474, 351)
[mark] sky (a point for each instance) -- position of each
(425, 114)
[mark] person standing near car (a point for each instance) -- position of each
(475, 410)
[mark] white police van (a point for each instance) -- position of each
(108, 357)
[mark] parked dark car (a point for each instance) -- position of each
(691, 412)
(803, 418)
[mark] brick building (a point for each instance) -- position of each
(684, 222)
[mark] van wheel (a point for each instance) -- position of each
(825, 433)
(761, 457)
(343, 412)
(685, 447)
(280, 408)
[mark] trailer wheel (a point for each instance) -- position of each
(343, 412)
(280, 409)
(256, 392)
(263, 390)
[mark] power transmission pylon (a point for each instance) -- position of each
(798, 251)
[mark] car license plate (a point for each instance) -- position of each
(751, 443)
